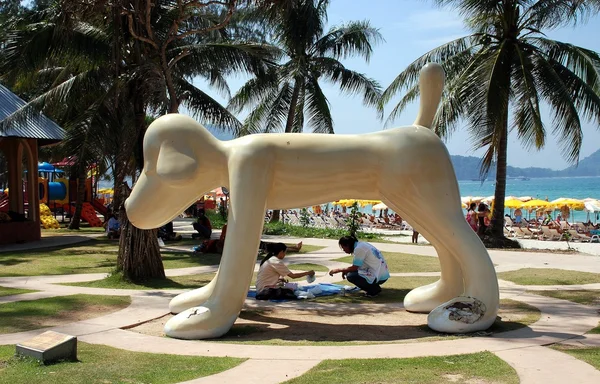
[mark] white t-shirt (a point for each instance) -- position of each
(370, 262)
(270, 272)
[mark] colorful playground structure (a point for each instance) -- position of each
(57, 192)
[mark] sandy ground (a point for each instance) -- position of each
(344, 323)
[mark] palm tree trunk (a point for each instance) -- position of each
(500, 191)
(289, 125)
(81, 176)
(173, 100)
(139, 254)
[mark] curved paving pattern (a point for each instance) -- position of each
(524, 349)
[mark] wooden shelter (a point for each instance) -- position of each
(19, 144)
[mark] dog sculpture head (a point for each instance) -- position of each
(178, 153)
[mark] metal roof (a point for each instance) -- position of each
(37, 127)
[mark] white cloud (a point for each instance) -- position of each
(430, 20)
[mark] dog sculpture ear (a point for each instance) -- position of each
(176, 163)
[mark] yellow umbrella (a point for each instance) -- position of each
(568, 202)
(513, 203)
(106, 191)
(536, 203)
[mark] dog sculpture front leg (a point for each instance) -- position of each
(250, 181)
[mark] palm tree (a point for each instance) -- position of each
(283, 97)
(498, 76)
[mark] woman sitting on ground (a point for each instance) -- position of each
(273, 271)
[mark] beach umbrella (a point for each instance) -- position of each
(106, 191)
(513, 203)
(568, 202)
(535, 204)
(525, 198)
(379, 206)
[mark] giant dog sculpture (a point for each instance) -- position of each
(408, 168)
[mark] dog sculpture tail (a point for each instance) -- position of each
(431, 85)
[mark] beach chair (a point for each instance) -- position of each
(529, 233)
(550, 233)
(575, 236)
(508, 222)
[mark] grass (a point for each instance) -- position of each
(13, 291)
(116, 281)
(101, 364)
(281, 229)
(534, 276)
(27, 315)
(477, 367)
(405, 262)
(308, 267)
(580, 296)
(589, 355)
(96, 256)
(93, 256)
(66, 230)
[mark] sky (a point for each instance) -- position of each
(410, 28)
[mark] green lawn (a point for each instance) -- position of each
(95, 256)
(580, 296)
(405, 262)
(49, 312)
(101, 364)
(534, 276)
(92, 256)
(482, 367)
(308, 267)
(13, 291)
(116, 281)
(589, 355)
(595, 331)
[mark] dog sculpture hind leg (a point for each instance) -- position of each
(408, 168)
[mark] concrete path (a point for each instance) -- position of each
(524, 349)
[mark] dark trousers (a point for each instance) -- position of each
(372, 289)
(202, 230)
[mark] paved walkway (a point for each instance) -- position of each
(524, 349)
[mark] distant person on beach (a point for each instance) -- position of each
(518, 216)
(217, 245)
(472, 216)
(202, 225)
(482, 213)
(368, 270)
(415, 237)
(272, 273)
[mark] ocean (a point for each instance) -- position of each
(542, 188)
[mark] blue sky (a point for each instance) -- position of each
(410, 29)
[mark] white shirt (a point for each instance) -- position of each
(370, 262)
(270, 272)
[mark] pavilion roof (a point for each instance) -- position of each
(37, 126)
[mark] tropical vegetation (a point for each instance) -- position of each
(498, 76)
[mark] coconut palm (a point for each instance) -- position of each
(498, 76)
(289, 97)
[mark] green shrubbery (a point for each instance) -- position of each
(281, 229)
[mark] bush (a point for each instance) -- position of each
(216, 220)
(281, 229)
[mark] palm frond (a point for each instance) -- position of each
(557, 94)
(317, 107)
(253, 91)
(527, 115)
(410, 76)
(550, 14)
(206, 108)
(353, 39)
(349, 81)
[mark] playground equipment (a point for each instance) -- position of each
(57, 192)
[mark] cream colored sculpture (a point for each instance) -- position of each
(408, 168)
